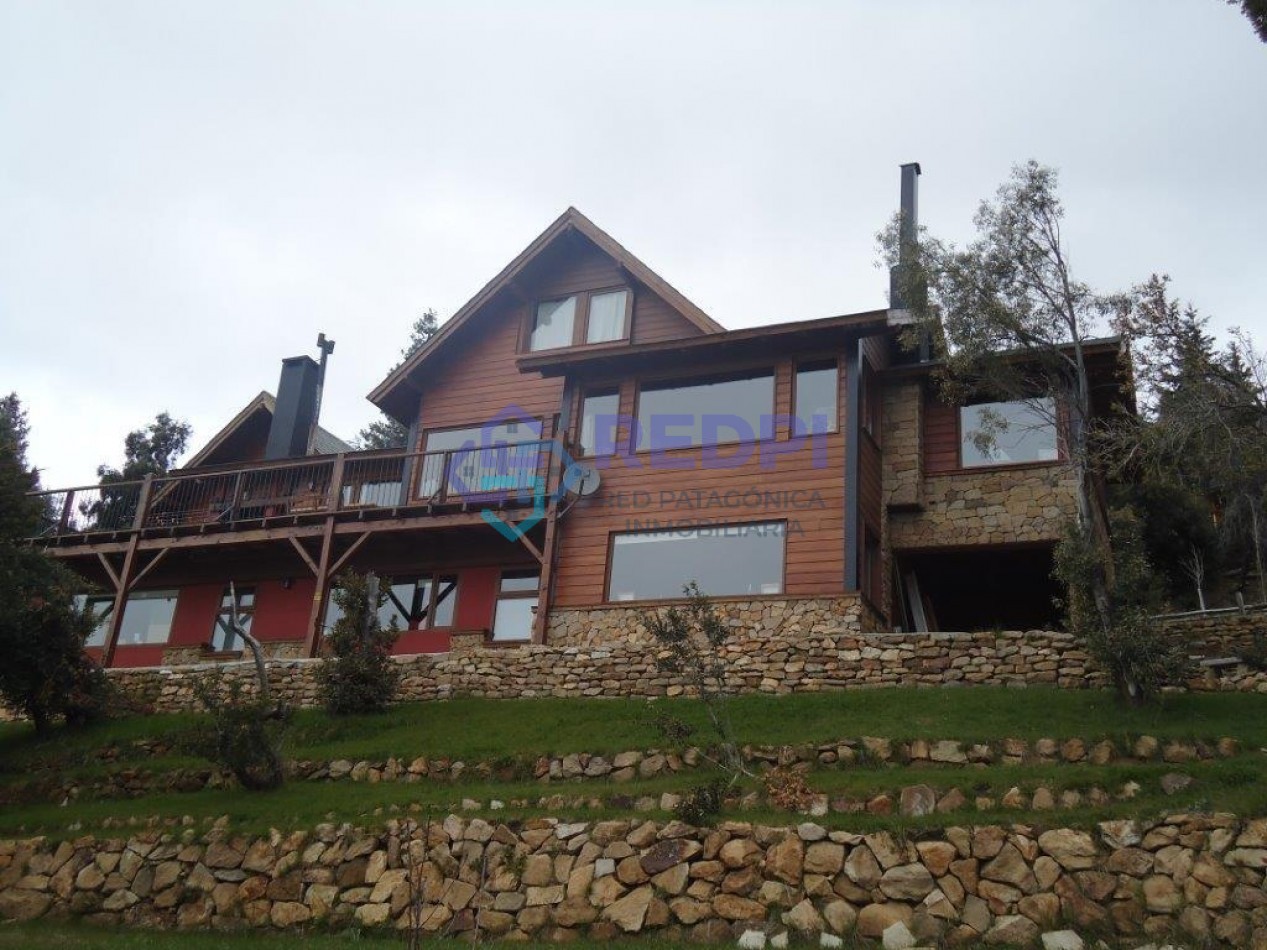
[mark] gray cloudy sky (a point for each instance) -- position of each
(190, 191)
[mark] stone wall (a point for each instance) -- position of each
(757, 618)
(273, 649)
(807, 660)
(1197, 876)
(1219, 633)
(992, 506)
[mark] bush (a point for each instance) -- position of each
(1134, 650)
(246, 733)
(702, 803)
(46, 673)
(359, 676)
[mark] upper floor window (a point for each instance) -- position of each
(1008, 433)
(554, 324)
(677, 415)
(600, 316)
(816, 398)
(598, 423)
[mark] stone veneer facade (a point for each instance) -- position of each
(1199, 876)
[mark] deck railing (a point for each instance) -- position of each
(355, 482)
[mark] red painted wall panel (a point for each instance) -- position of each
(282, 614)
(195, 613)
(148, 655)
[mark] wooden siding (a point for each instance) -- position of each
(478, 378)
(809, 495)
(941, 436)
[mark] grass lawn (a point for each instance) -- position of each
(483, 729)
(490, 730)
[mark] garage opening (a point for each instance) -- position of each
(1007, 588)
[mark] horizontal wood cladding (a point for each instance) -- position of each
(479, 377)
(484, 380)
(941, 436)
(796, 490)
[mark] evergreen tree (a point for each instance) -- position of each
(19, 513)
(387, 433)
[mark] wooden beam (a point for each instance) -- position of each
(158, 556)
(561, 423)
(313, 637)
(114, 578)
(346, 556)
(120, 603)
(303, 553)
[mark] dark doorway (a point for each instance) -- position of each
(1008, 588)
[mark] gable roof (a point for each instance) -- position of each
(570, 220)
(323, 443)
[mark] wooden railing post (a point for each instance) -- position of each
(143, 503)
(67, 506)
(336, 484)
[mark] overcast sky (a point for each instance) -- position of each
(191, 191)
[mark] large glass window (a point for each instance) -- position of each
(737, 409)
(598, 423)
(1007, 433)
(223, 636)
(721, 559)
(498, 457)
(606, 320)
(816, 398)
(413, 603)
(554, 323)
(102, 607)
(516, 606)
(147, 617)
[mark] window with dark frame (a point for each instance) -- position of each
(1008, 433)
(597, 435)
(422, 603)
(723, 560)
(817, 397)
(102, 606)
(705, 412)
(595, 316)
(223, 637)
(516, 607)
(147, 617)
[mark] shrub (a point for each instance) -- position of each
(246, 733)
(1135, 651)
(702, 803)
(786, 789)
(359, 676)
(46, 673)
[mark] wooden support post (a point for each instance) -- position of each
(120, 601)
(554, 481)
(336, 484)
(313, 639)
(126, 576)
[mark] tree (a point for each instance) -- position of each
(1010, 322)
(45, 672)
(1256, 12)
(359, 675)
(1202, 424)
(19, 513)
(388, 433)
(149, 451)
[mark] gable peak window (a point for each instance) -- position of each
(594, 316)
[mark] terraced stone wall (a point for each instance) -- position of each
(1199, 877)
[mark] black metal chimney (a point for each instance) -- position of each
(295, 414)
(908, 237)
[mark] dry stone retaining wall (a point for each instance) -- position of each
(765, 663)
(1197, 876)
